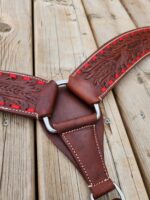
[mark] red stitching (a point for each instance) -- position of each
(86, 65)
(40, 82)
(26, 78)
(15, 106)
(14, 76)
(116, 75)
(110, 82)
(78, 72)
(2, 103)
(101, 52)
(94, 58)
(31, 110)
(103, 89)
(123, 70)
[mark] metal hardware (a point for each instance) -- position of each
(46, 119)
(118, 190)
(48, 126)
(98, 113)
(61, 82)
(91, 197)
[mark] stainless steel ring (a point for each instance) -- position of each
(46, 119)
(118, 190)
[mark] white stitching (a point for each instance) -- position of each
(12, 109)
(101, 157)
(99, 151)
(81, 163)
(67, 141)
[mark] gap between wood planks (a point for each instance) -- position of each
(109, 103)
(139, 19)
(35, 135)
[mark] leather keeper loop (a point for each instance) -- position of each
(84, 90)
(71, 112)
(47, 99)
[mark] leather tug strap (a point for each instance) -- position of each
(70, 109)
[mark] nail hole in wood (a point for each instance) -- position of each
(4, 27)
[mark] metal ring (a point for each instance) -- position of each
(118, 190)
(46, 119)
(91, 197)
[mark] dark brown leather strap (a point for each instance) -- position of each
(84, 145)
(96, 76)
(82, 135)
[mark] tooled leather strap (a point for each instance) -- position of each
(96, 76)
(26, 95)
(80, 135)
(75, 122)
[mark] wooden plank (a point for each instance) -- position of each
(133, 91)
(63, 39)
(58, 49)
(137, 120)
(16, 133)
(138, 11)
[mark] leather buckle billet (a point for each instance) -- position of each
(118, 190)
(46, 119)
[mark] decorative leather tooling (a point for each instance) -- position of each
(69, 113)
(102, 70)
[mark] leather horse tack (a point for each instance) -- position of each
(69, 111)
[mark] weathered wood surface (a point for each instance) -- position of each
(133, 91)
(17, 178)
(65, 32)
(65, 26)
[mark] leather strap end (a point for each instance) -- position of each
(102, 188)
(83, 89)
(47, 99)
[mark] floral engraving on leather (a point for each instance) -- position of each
(19, 92)
(115, 58)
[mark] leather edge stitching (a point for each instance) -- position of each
(78, 158)
(121, 76)
(21, 111)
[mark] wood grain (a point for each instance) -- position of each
(133, 91)
(137, 121)
(17, 180)
(63, 39)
